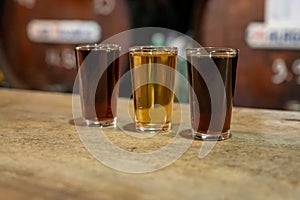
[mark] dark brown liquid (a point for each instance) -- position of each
(201, 116)
(92, 65)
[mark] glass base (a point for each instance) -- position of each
(104, 123)
(153, 128)
(213, 136)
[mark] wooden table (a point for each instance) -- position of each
(42, 157)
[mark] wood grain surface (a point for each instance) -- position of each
(42, 156)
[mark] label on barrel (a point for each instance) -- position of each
(282, 11)
(63, 31)
(273, 36)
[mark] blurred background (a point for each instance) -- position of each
(37, 38)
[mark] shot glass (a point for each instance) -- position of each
(153, 74)
(212, 74)
(98, 73)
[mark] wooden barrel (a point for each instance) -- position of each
(268, 73)
(38, 38)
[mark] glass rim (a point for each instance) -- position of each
(153, 49)
(98, 47)
(212, 51)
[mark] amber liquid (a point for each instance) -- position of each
(153, 101)
(201, 116)
(97, 83)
